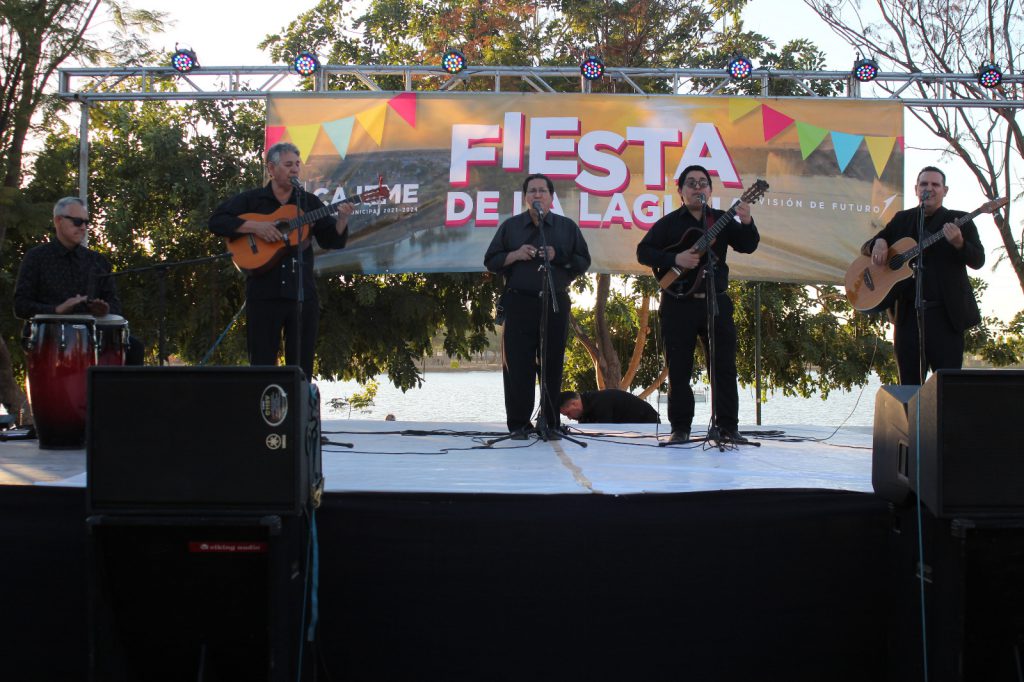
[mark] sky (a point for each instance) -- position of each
(202, 27)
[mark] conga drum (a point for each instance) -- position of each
(111, 340)
(60, 349)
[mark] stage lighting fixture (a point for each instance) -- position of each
(740, 67)
(989, 75)
(184, 60)
(865, 70)
(306, 63)
(592, 68)
(453, 61)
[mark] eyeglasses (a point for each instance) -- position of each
(78, 222)
(697, 184)
(537, 190)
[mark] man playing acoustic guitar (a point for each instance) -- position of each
(949, 304)
(684, 304)
(272, 292)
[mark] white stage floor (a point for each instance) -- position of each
(617, 460)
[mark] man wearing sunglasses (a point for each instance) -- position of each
(63, 277)
(684, 308)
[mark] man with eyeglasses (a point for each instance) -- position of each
(63, 277)
(684, 310)
(516, 254)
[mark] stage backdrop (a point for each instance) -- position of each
(455, 163)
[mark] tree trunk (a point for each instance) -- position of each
(641, 343)
(610, 369)
(11, 395)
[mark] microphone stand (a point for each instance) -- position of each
(299, 280)
(922, 360)
(161, 270)
(711, 310)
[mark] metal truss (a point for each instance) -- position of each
(257, 82)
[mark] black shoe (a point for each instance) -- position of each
(554, 434)
(732, 436)
(679, 437)
(520, 434)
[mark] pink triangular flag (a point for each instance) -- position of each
(405, 106)
(899, 143)
(773, 122)
(272, 136)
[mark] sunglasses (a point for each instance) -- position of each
(78, 222)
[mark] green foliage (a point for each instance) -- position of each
(360, 400)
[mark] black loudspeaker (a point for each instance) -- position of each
(890, 462)
(973, 594)
(972, 460)
(198, 598)
(201, 440)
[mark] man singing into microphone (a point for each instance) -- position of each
(684, 314)
(516, 253)
(271, 294)
(949, 304)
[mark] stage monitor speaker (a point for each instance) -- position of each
(210, 598)
(201, 440)
(972, 461)
(890, 461)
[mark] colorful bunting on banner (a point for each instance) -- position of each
(773, 122)
(880, 149)
(304, 137)
(810, 137)
(405, 106)
(340, 133)
(846, 146)
(372, 121)
(740, 107)
(272, 136)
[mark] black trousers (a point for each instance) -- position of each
(683, 321)
(521, 362)
(268, 321)
(943, 345)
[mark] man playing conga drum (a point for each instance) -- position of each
(63, 277)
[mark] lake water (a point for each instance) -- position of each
(478, 397)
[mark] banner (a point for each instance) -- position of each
(455, 164)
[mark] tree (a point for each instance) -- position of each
(35, 39)
(955, 37)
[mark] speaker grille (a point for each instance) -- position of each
(194, 440)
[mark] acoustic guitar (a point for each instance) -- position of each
(253, 255)
(701, 240)
(872, 288)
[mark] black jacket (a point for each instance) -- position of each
(945, 277)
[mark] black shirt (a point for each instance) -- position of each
(572, 257)
(51, 274)
(655, 249)
(612, 406)
(278, 282)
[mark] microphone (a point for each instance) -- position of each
(925, 193)
(539, 208)
(703, 199)
(295, 182)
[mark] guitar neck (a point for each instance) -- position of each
(321, 212)
(936, 236)
(704, 242)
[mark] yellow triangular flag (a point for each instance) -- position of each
(880, 149)
(741, 106)
(303, 137)
(372, 121)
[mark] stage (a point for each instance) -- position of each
(442, 559)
